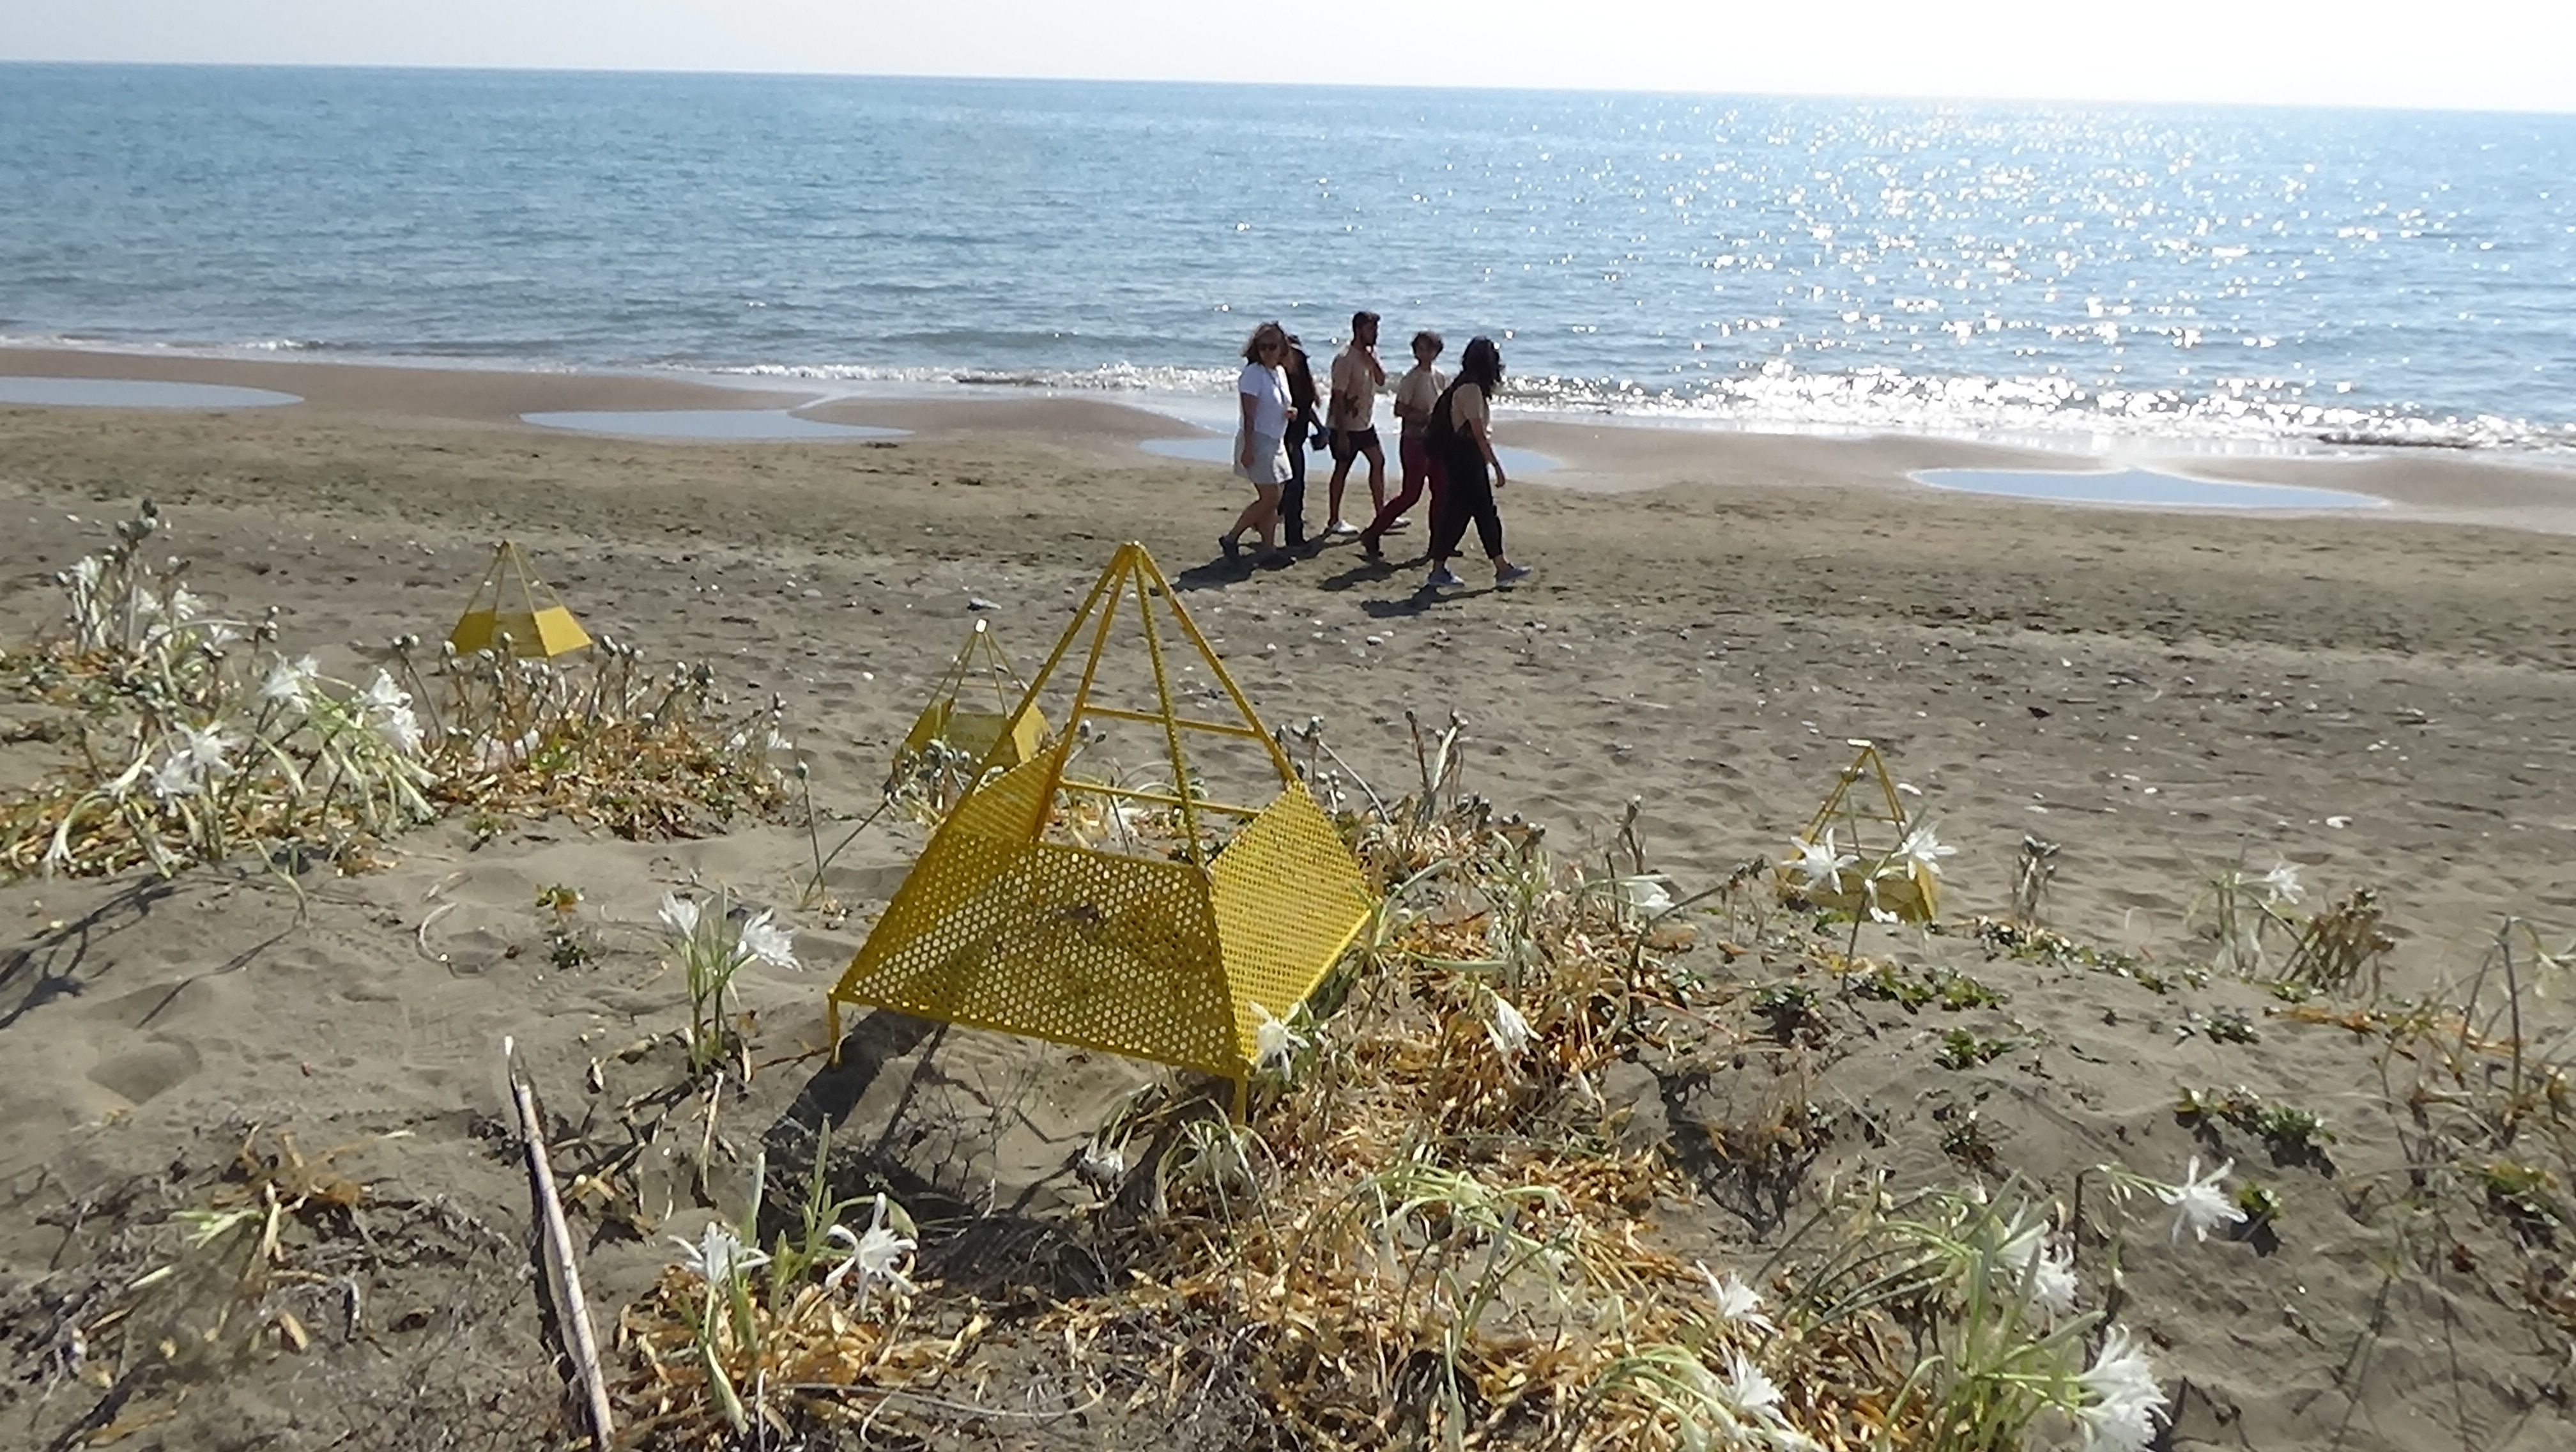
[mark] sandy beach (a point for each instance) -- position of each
(2382, 699)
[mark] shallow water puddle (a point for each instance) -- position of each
(2140, 486)
(1219, 449)
(727, 425)
(135, 393)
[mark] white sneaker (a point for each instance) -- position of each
(1511, 574)
(1443, 579)
(1341, 526)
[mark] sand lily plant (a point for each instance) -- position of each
(190, 736)
(710, 942)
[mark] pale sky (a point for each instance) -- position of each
(2469, 54)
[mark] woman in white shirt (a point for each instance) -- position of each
(1260, 451)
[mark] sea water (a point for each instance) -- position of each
(2241, 276)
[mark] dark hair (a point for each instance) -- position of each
(1252, 345)
(1434, 339)
(1481, 365)
(1361, 319)
(1302, 392)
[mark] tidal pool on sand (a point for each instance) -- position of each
(718, 425)
(134, 393)
(1218, 449)
(2140, 486)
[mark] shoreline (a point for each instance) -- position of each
(1615, 455)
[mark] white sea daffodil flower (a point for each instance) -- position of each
(718, 1254)
(2126, 1402)
(772, 943)
(400, 729)
(207, 752)
(1925, 850)
(2281, 884)
(1754, 1394)
(1274, 1043)
(2200, 1202)
(1818, 862)
(680, 915)
(1737, 1303)
(1505, 1026)
(172, 780)
(291, 682)
(382, 695)
(875, 1256)
(184, 604)
(2043, 1266)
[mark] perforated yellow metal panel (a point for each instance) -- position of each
(513, 605)
(1289, 899)
(1162, 958)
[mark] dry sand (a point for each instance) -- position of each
(2384, 701)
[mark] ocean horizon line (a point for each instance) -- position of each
(1928, 98)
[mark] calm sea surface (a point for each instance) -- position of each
(2264, 276)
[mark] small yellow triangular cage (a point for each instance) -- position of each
(1173, 958)
(512, 605)
(1908, 888)
(1008, 737)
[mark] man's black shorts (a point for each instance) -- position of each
(1349, 444)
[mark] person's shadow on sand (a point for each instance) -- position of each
(1219, 573)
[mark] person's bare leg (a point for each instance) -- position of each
(1341, 476)
(1377, 481)
(1263, 514)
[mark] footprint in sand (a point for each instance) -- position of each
(141, 1074)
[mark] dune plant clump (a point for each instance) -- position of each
(194, 736)
(1433, 1227)
(735, 1338)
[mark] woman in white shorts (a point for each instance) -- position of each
(1260, 449)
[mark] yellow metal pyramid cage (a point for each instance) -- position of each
(1174, 957)
(1907, 888)
(1006, 736)
(513, 605)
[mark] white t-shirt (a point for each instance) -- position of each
(1415, 394)
(1268, 388)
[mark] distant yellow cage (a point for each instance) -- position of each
(1909, 890)
(513, 606)
(967, 728)
(1173, 959)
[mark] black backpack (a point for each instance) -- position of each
(1441, 433)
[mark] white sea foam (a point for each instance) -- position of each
(1777, 398)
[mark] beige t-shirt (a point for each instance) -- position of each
(1469, 403)
(1354, 392)
(1415, 393)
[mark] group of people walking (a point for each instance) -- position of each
(1444, 448)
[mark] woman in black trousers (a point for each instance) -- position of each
(1302, 398)
(1463, 417)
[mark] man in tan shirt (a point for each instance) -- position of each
(1350, 417)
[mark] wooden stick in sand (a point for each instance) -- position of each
(572, 1310)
